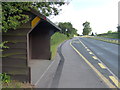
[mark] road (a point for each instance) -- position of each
(106, 52)
(78, 68)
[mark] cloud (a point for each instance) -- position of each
(102, 18)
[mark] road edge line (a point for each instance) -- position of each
(102, 63)
(107, 82)
(117, 83)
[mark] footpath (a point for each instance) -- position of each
(74, 72)
(68, 70)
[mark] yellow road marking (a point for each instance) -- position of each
(101, 65)
(99, 74)
(88, 50)
(35, 21)
(90, 53)
(95, 57)
(116, 82)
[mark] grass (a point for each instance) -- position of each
(114, 35)
(6, 83)
(105, 40)
(110, 36)
(56, 40)
(16, 84)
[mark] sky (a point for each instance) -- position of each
(102, 14)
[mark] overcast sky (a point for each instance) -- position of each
(102, 14)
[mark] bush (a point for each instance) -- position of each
(56, 39)
(5, 78)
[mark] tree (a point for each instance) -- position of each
(92, 34)
(109, 31)
(13, 16)
(86, 29)
(67, 28)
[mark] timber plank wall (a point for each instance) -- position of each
(14, 59)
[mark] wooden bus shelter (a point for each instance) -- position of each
(30, 41)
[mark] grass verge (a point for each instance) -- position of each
(56, 40)
(16, 84)
(114, 35)
(105, 40)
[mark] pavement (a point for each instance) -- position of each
(74, 72)
(43, 71)
(70, 69)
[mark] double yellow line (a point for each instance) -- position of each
(108, 83)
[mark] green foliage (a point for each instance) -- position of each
(5, 78)
(13, 16)
(86, 29)
(56, 39)
(106, 40)
(109, 31)
(49, 8)
(110, 34)
(67, 28)
(2, 44)
(7, 83)
(17, 85)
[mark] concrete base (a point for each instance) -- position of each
(43, 71)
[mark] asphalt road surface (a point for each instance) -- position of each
(107, 52)
(76, 70)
